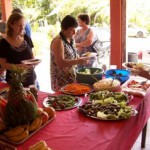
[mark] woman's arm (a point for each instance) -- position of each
(88, 41)
(58, 49)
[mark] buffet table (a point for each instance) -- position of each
(71, 130)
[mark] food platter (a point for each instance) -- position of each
(109, 117)
(134, 67)
(77, 89)
(6, 146)
(2, 137)
(135, 87)
(111, 97)
(89, 54)
(31, 61)
(62, 102)
(106, 105)
(107, 84)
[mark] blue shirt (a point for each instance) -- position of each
(28, 29)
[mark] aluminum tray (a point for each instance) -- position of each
(2, 137)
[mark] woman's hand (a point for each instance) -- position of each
(83, 60)
(79, 48)
(26, 66)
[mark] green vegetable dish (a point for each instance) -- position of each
(105, 105)
(88, 71)
(62, 102)
(109, 96)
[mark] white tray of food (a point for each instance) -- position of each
(136, 86)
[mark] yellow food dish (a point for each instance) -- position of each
(107, 84)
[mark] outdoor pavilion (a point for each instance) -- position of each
(117, 23)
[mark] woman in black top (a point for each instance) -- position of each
(15, 47)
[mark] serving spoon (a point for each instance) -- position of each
(143, 82)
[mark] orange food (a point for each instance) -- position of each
(39, 111)
(76, 88)
(51, 111)
(45, 117)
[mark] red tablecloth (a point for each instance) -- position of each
(3, 85)
(71, 130)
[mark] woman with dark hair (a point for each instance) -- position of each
(63, 55)
(84, 36)
(15, 47)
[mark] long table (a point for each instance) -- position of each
(71, 130)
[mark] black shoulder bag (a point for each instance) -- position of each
(97, 45)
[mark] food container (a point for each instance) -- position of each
(132, 66)
(107, 84)
(121, 74)
(88, 75)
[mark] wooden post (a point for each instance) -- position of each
(118, 36)
(6, 9)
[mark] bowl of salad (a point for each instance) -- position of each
(89, 75)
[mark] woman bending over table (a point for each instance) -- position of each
(15, 47)
(64, 55)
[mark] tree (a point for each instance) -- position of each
(54, 11)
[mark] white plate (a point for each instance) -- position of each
(31, 61)
(137, 91)
(89, 54)
(45, 103)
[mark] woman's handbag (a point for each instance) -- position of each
(97, 45)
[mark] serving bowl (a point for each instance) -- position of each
(120, 74)
(88, 75)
